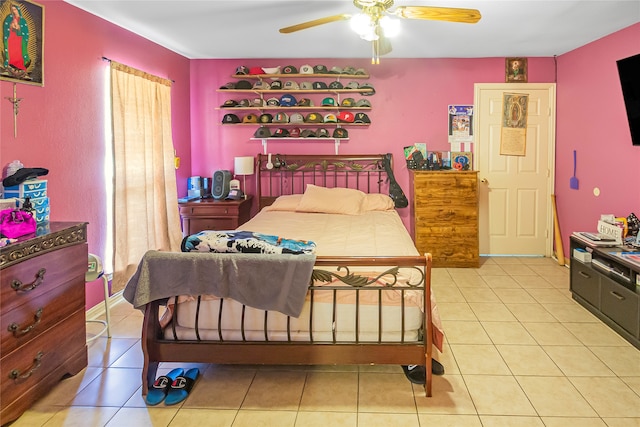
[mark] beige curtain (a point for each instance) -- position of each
(145, 196)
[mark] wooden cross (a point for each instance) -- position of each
(15, 101)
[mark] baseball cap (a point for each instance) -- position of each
(261, 85)
(294, 132)
(289, 69)
(230, 118)
(265, 118)
(308, 133)
(244, 103)
(256, 70)
(306, 86)
(305, 102)
(352, 85)
(367, 86)
(229, 103)
(243, 84)
(360, 72)
(363, 103)
(349, 70)
(242, 70)
(281, 118)
(296, 118)
(313, 118)
(335, 70)
(271, 70)
(340, 133)
(273, 102)
(330, 118)
(335, 85)
(306, 69)
(348, 102)
(361, 118)
(322, 133)
(329, 101)
(276, 84)
(320, 85)
(262, 132)
(250, 118)
(346, 116)
(320, 69)
(291, 85)
(257, 102)
(230, 85)
(287, 100)
(281, 133)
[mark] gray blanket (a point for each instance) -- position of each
(265, 281)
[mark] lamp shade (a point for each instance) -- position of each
(243, 165)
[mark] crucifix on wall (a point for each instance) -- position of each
(16, 104)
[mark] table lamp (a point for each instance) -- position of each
(243, 166)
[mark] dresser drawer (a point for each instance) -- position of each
(585, 282)
(36, 315)
(197, 225)
(212, 209)
(34, 277)
(24, 368)
(620, 305)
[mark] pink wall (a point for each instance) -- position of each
(60, 125)
(410, 105)
(592, 120)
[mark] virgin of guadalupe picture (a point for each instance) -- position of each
(22, 42)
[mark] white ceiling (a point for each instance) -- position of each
(207, 29)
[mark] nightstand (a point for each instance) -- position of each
(214, 214)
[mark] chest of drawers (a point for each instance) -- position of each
(212, 214)
(42, 313)
(445, 216)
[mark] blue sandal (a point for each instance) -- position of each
(181, 387)
(161, 386)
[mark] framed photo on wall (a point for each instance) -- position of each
(21, 53)
(516, 70)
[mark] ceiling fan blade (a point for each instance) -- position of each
(384, 44)
(314, 23)
(451, 14)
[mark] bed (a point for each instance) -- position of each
(367, 300)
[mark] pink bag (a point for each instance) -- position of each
(15, 223)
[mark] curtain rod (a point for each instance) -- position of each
(104, 58)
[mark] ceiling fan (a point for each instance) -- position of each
(375, 24)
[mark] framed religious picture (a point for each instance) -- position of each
(516, 70)
(21, 56)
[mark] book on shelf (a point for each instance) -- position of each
(633, 256)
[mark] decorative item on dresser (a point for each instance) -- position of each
(211, 214)
(42, 305)
(445, 216)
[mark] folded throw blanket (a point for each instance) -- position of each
(238, 241)
(265, 281)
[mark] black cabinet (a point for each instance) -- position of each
(607, 287)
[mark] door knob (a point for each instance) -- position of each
(484, 180)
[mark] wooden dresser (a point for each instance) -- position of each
(42, 313)
(212, 214)
(444, 214)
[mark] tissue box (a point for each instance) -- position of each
(582, 255)
(8, 203)
(33, 188)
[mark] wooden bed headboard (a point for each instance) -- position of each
(290, 174)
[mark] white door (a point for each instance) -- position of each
(515, 212)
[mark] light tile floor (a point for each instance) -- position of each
(519, 352)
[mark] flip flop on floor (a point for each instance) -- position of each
(158, 391)
(181, 387)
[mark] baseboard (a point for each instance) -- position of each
(99, 309)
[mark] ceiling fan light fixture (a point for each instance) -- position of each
(362, 25)
(390, 26)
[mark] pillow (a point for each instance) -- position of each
(345, 201)
(377, 202)
(285, 203)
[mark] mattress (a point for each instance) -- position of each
(374, 233)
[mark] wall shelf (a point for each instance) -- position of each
(265, 141)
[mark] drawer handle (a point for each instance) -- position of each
(583, 274)
(226, 211)
(617, 295)
(37, 361)
(15, 328)
(17, 284)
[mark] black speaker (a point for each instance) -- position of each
(220, 184)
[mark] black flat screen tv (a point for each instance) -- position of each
(629, 71)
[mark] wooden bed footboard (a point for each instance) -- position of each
(158, 349)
